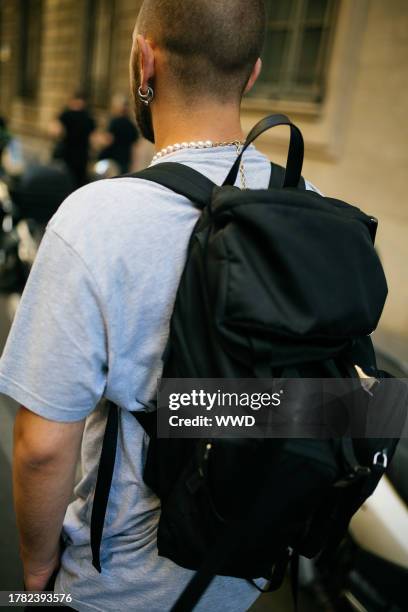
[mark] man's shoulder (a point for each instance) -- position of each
(105, 210)
(103, 198)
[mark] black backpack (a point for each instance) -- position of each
(309, 289)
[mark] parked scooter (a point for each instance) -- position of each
(369, 572)
(36, 198)
(27, 203)
(25, 209)
(11, 269)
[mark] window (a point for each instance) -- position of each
(30, 47)
(98, 51)
(296, 50)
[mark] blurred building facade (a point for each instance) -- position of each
(337, 67)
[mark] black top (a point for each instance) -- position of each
(125, 134)
(78, 127)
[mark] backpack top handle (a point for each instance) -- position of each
(296, 150)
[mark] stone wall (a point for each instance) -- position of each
(356, 141)
(62, 52)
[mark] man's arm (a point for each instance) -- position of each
(44, 465)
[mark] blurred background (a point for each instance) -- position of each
(338, 68)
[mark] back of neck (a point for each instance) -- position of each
(174, 123)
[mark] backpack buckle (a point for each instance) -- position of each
(381, 460)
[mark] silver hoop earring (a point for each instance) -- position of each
(147, 97)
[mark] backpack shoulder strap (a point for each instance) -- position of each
(148, 421)
(103, 483)
(181, 179)
(278, 178)
(192, 184)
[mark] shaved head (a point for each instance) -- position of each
(211, 45)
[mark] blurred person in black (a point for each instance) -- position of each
(74, 128)
(121, 135)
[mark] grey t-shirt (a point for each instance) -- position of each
(93, 323)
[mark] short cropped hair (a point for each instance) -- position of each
(212, 45)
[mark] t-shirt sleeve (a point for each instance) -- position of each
(55, 359)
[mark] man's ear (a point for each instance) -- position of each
(256, 71)
(146, 55)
